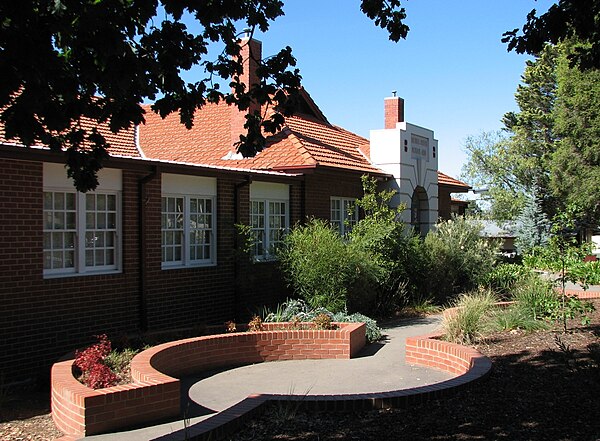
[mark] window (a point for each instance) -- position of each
(81, 232)
(269, 222)
(188, 224)
(188, 230)
(344, 214)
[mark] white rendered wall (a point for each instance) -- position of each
(415, 167)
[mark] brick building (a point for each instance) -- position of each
(154, 247)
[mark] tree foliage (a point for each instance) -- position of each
(576, 162)
(64, 61)
(564, 20)
(533, 227)
(550, 149)
(493, 167)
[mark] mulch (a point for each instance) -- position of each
(544, 385)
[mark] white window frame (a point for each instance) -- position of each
(186, 261)
(79, 267)
(268, 251)
(344, 223)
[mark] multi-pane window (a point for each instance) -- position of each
(344, 214)
(172, 229)
(80, 232)
(100, 229)
(269, 222)
(60, 231)
(188, 231)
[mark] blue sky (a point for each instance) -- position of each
(452, 70)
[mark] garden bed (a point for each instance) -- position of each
(535, 392)
(155, 391)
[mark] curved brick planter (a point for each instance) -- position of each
(155, 393)
(426, 350)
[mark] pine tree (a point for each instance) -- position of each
(533, 227)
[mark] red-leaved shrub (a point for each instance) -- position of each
(94, 373)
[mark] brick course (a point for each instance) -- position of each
(44, 318)
(154, 393)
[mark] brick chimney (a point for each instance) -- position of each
(394, 111)
(251, 51)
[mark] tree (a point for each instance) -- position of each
(564, 21)
(516, 161)
(492, 166)
(551, 148)
(65, 61)
(575, 169)
(533, 227)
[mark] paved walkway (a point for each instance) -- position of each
(379, 367)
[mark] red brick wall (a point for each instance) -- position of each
(79, 410)
(44, 318)
(321, 185)
(444, 202)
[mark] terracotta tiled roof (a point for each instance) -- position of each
(444, 179)
(121, 144)
(307, 141)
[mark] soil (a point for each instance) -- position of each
(544, 385)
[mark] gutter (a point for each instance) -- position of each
(236, 264)
(142, 201)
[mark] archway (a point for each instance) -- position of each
(419, 211)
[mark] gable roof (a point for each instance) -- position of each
(306, 141)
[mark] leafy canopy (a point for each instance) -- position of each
(63, 61)
(564, 21)
(550, 149)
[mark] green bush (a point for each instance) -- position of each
(549, 258)
(397, 253)
(398, 256)
(587, 273)
(297, 310)
(537, 298)
(504, 278)
(468, 323)
(459, 258)
(326, 272)
(513, 317)
(373, 331)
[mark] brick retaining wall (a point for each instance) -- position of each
(155, 393)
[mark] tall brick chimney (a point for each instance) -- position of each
(394, 111)
(251, 52)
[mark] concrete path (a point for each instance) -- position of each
(379, 367)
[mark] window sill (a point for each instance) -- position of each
(85, 274)
(191, 266)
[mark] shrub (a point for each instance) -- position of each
(549, 258)
(504, 278)
(459, 258)
(587, 273)
(468, 322)
(323, 321)
(256, 324)
(91, 361)
(119, 361)
(537, 298)
(323, 270)
(294, 310)
(513, 317)
(373, 331)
